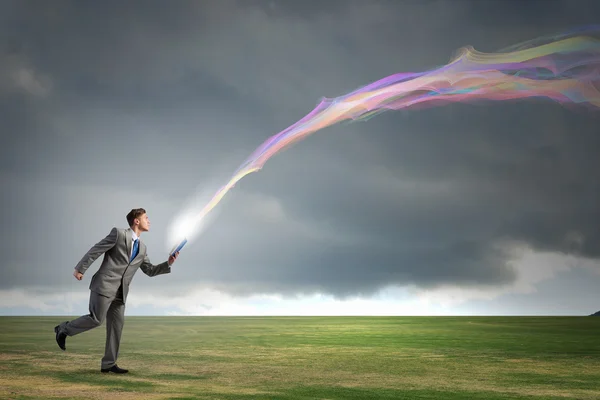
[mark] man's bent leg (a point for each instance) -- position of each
(115, 319)
(98, 308)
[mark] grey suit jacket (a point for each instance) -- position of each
(116, 268)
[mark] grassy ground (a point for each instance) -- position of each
(309, 358)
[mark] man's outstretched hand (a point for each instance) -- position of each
(78, 275)
(173, 258)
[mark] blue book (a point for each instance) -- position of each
(179, 247)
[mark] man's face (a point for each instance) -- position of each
(143, 222)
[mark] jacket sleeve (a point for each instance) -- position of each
(153, 270)
(97, 250)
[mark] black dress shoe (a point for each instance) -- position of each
(115, 369)
(61, 337)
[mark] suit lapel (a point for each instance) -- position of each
(128, 243)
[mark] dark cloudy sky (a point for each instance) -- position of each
(464, 209)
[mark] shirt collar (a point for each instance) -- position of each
(134, 237)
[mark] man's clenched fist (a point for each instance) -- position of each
(78, 275)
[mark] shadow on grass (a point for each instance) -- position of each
(578, 382)
(325, 392)
(110, 381)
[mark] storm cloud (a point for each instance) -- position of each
(111, 106)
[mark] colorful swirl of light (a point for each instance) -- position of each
(564, 68)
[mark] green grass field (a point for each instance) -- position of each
(309, 358)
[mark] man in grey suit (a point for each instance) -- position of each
(124, 253)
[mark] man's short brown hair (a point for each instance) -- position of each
(133, 214)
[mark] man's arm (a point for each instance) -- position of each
(99, 248)
(163, 268)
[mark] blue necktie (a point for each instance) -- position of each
(135, 250)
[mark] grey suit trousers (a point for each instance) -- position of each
(101, 307)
